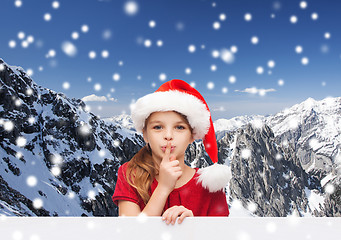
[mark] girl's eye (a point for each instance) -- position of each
(157, 127)
(180, 127)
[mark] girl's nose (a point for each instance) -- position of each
(168, 134)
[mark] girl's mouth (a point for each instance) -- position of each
(163, 148)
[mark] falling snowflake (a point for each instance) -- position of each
(92, 194)
(327, 35)
(47, 17)
(18, 3)
(246, 153)
(116, 77)
(92, 54)
(260, 70)
(213, 68)
(278, 156)
(56, 171)
(215, 53)
(305, 61)
(271, 64)
(232, 79)
(210, 85)
(8, 126)
(162, 77)
(248, 17)
(152, 24)
(254, 40)
(224, 90)
(85, 28)
(66, 85)
(97, 87)
(227, 56)
(74, 35)
(329, 188)
(69, 48)
(105, 54)
(252, 207)
(55, 4)
(299, 49)
(191, 48)
(293, 19)
(234, 49)
(31, 181)
(303, 4)
(147, 43)
(188, 71)
(159, 43)
(38, 203)
(314, 16)
(21, 142)
(216, 25)
(31, 120)
(222, 17)
(131, 8)
(117, 143)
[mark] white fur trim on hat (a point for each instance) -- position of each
(215, 177)
(197, 114)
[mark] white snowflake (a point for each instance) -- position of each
(210, 85)
(69, 48)
(222, 17)
(254, 40)
(105, 54)
(21, 142)
(147, 43)
(271, 63)
(260, 70)
(299, 49)
(314, 16)
(188, 71)
(246, 153)
(305, 61)
(24, 44)
(47, 17)
(92, 54)
(18, 3)
(293, 19)
(213, 68)
(92, 194)
(85, 28)
(74, 35)
(8, 126)
(162, 77)
(66, 85)
(31, 181)
(159, 43)
(234, 49)
(21, 35)
(216, 25)
(55, 4)
(131, 8)
(227, 56)
(232, 79)
(56, 171)
(303, 4)
(248, 17)
(152, 24)
(215, 53)
(191, 48)
(224, 90)
(116, 77)
(252, 207)
(38, 203)
(327, 35)
(329, 188)
(97, 87)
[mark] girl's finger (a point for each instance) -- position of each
(187, 213)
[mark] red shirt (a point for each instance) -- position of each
(191, 195)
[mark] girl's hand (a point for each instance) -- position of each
(172, 213)
(170, 170)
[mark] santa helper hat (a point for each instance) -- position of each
(177, 95)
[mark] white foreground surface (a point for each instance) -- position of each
(105, 228)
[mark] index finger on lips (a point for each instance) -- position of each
(167, 151)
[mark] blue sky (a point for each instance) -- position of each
(224, 34)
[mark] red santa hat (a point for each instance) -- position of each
(177, 95)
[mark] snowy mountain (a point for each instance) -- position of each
(56, 158)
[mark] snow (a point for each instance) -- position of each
(315, 199)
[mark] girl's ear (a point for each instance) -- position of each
(145, 138)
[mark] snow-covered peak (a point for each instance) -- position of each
(123, 120)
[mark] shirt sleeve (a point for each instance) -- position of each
(123, 191)
(218, 206)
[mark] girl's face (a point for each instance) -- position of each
(163, 127)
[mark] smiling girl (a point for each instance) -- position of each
(156, 181)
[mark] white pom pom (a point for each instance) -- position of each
(215, 177)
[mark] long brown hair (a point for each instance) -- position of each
(142, 169)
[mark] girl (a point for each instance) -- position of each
(156, 181)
